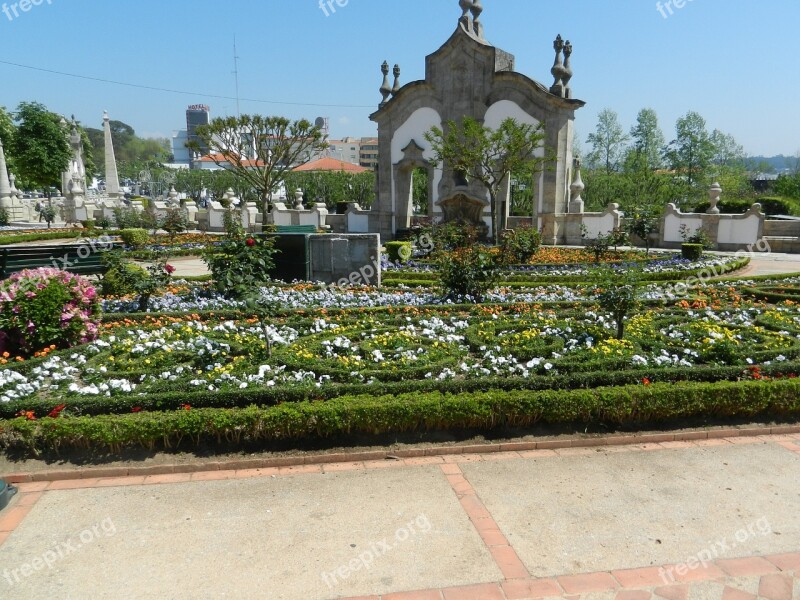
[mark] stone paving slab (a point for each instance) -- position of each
(282, 538)
(430, 528)
(595, 512)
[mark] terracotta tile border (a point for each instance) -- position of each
(788, 434)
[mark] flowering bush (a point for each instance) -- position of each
(44, 307)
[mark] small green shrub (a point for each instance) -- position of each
(519, 245)
(88, 224)
(4, 217)
(398, 252)
(692, 252)
(175, 221)
(127, 217)
(117, 281)
(466, 274)
(135, 238)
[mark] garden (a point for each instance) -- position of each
(461, 338)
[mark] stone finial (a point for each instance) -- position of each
(558, 70)
(567, 69)
(466, 18)
(298, 199)
(386, 89)
(477, 10)
(576, 189)
(714, 195)
(396, 86)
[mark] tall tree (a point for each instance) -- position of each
(691, 152)
(41, 146)
(487, 156)
(648, 140)
(259, 150)
(727, 152)
(607, 142)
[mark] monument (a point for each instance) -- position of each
(468, 76)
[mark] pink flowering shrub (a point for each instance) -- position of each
(44, 307)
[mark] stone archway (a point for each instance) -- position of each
(413, 159)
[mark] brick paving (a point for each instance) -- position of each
(766, 577)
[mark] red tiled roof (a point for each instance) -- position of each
(330, 164)
(220, 158)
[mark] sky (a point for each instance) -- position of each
(733, 61)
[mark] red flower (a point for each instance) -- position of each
(646, 381)
(186, 407)
(56, 411)
(250, 242)
(169, 269)
(28, 414)
(136, 409)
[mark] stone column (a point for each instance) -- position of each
(112, 177)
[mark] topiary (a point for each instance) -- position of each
(398, 252)
(134, 237)
(117, 280)
(46, 307)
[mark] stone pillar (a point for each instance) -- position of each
(112, 177)
(6, 197)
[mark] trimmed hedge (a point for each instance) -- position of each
(272, 396)
(632, 406)
(64, 234)
(398, 251)
(692, 252)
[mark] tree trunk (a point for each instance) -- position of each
(493, 208)
(620, 328)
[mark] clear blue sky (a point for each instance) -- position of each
(733, 61)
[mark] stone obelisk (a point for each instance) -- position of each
(112, 177)
(6, 197)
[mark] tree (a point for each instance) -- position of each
(192, 182)
(488, 156)
(727, 152)
(41, 146)
(259, 150)
(691, 152)
(648, 140)
(608, 142)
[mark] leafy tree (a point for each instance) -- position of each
(192, 182)
(619, 292)
(608, 142)
(489, 157)
(419, 191)
(727, 152)
(691, 153)
(362, 188)
(642, 222)
(41, 146)
(259, 150)
(648, 141)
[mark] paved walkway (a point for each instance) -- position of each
(707, 519)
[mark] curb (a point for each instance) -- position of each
(381, 455)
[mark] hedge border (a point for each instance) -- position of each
(631, 406)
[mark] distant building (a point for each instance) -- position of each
(368, 156)
(181, 154)
(347, 150)
(196, 116)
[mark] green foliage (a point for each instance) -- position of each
(642, 223)
(634, 406)
(698, 236)
(618, 291)
(692, 251)
(259, 151)
(142, 282)
(175, 221)
(690, 154)
(608, 142)
(332, 187)
(46, 307)
(598, 246)
(489, 157)
(520, 244)
(467, 274)
(118, 283)
(136, 238)
(127, 217)
(241, 264)
(40, 147)
(789, 186)
(452, 236)
(4, 217)
(399, 252)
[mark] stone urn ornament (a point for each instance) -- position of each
(713, 197)
(298, 199)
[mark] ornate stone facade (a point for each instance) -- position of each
(468, 76)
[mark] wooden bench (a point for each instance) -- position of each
(296, 229)
(81, 259)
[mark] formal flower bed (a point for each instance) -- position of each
(305, 354)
